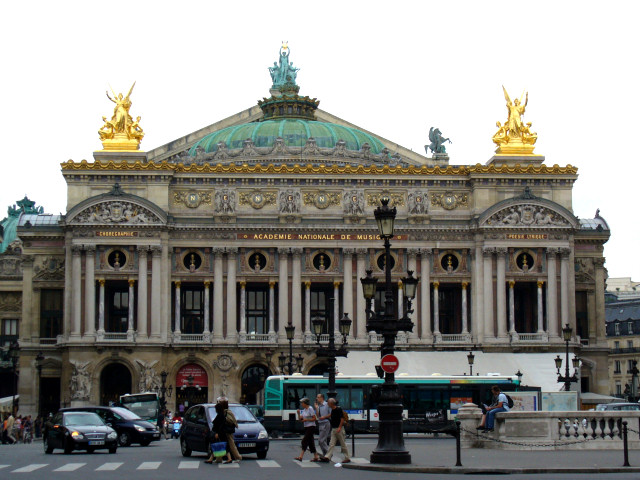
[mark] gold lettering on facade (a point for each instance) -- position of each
(116, 234)
(527, 236)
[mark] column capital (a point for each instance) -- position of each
(400, 283)
(243, 284)
(132, 282)
(272, 284)
(156, 250)
(465, 285)
(598, 262)
(296, 251)
(76, 250)
(101, 281)
(90, 248)
(488, 251)
(540, 283)
(207, 283)
(177, 283)
(552, 251)
(284, 250)
(502, 251)
(413, 252)
(231, 250)
(218, 251)
(142, 249)
(336, 283)
(512, 284)
(307, 285)
(426, 252)
(565, 252)
(436, 284)
(361, 252)
(348, 251)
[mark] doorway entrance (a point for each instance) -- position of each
(115, 380)
(253, 384)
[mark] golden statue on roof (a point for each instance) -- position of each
(515, 137)
(121, 133)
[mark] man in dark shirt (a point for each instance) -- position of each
(337, 432)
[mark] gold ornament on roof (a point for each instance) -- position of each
(515, 137)
(121, 133)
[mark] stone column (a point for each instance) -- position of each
(142, 292)
(552, 293)
(232, 318)
(477, 294)
(283, 291)
(425, 295)
(156, 298)
(101, 282)
(30, 313)
(307, 309)
(540, 308)
(272, 300)
(177, 304)
(564, 286)
(90, 292)
(436, 312)
(76, 278)
(600, 285)
(336, 310)
(361, 305)
(487, 287)
(207, 313)
(501, 256)
(512, 310)
(296, 293)
(243, 308)
(465, 328)
(165, 292)
(218, 295)
(130, 330)
(347, 285)
(68, 286)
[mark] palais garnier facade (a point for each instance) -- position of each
(191, 258)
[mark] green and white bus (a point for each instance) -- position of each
(423, 397)
(146, 405)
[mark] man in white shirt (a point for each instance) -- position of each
(323, 413)
(502, 405)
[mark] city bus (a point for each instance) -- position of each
(146, 405)
(423, 397)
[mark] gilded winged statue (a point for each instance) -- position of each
(121, 125)
(514, 129)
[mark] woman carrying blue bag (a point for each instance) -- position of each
(218, 434)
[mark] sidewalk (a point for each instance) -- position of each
(438, 455)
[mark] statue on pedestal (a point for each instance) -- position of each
(437, 142)
(515, 137)
(283, 72)
(121, 132)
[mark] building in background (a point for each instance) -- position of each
(191, 258)
(623, 336)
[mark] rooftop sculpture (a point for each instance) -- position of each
(515, 137)
(437, 142)
(121, 133)
(283, 72)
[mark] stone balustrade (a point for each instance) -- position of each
(578, 430)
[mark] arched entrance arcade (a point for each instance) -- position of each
(115, 380)
(253, 379)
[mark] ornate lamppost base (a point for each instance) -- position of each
(390, 447)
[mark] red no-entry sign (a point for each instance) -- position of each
(389, 363)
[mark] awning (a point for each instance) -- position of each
(538, 368)
(5, 403)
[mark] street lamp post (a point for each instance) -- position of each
(14, 355)
(390, 448)
(331, 351)
(470, 359)
(566, 378)
(519, 374)
(634, 380)
(163, 390)
(39, 362)
(290, 330)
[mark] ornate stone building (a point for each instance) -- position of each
(192, 258)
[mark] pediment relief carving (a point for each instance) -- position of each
(527, 215)
(116, 212)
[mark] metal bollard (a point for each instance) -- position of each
(458, 459)
(626, 445)
(353, 438)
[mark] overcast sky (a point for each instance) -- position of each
(394, 68)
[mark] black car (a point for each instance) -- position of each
(129, 426)
(78, 431)
(250, 436)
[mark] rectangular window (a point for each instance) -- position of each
(616, 328)
(616, 367)
(51, 312)
(629, 343)
(629, 366)
(257, 310)
(618, 389)
(192, 309)
(616, 345)
(320, 296)
(9, 331)
(117, 308)
(630, 328)
(582, 314)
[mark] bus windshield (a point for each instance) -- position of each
(145, 405)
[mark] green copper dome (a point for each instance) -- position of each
(294, 132)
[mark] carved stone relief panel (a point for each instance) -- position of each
(322, 199)
(192, 198)
(49, 268)
(10, 302)
(527, 215)
(117, 213)
(257, 198)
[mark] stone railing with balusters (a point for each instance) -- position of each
(265, 339)
(582, 430)
(533, 337)
(455, 338)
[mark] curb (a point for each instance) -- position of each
(486, 470)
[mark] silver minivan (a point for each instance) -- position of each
(617, 406)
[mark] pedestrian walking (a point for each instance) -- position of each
(307, 415)
(218, 434)
(9, 428)
(323, 412)
(230, 427)
(337, 421)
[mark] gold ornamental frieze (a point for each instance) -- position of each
(192, 199)
(463, 170)
(322, 199)
(395, 199)
(449, 200)
(257, 198)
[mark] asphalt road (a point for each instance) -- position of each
(162, 460)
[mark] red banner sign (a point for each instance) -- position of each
(196, 372)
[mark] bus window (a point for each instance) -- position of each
(420, 399)
(357, 398)
(293, 394)
(343, 397)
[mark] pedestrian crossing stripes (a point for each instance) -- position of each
(182, 465)
(70, 467)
